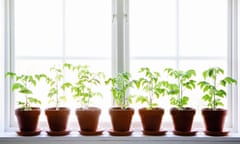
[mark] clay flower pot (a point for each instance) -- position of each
(28, 121)
(151, 121)
(57, 121)
(214, 121)
(121, 120)
(88, 120)
(182, 120)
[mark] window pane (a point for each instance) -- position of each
(203, 27)
(38, 28)
(152, 24)
(88, 28)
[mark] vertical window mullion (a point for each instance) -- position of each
(177, 33)
(126, 34)
(63, 31)
(120, 51)
(9, 62)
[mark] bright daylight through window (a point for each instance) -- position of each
(113, 36)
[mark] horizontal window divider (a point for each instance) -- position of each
(179, 58)
(106, 58)
(59, 58)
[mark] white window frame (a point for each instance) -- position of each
(2, 63)
(233, 61)
(120, 36)
(8, 62)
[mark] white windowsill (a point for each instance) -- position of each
(136, 137)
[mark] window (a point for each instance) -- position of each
(50, 32)
(113, 36)
(182, 34)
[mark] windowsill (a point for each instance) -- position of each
(136, 137)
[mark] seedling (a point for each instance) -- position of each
(22, 85)
(183, 81)
(212, 87)
(57, 87)
(121, 83)
(82, 89)
(151, 84)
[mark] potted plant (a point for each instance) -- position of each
(83, 92)
(57, 116)
(151, 115)
(121, 114)
(182, 116)
(26, 114)
(213, 88)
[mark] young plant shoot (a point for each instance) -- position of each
(213, 85)
(82, 89)
(120, 85)
(152, 86)
(183, 81)
(23, 84)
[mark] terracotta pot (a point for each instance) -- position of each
(121, 118)
(28, 120)
(151, 119)
(88, 118)
(57, 119)
(182, 119)
(214, 119)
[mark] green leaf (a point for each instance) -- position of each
(153, 105)
(25, 91)
(20, 103)
(228, 80)
(141, 99)
(10, 74)
(63, 98)
(219, 103)
(16, 86)
(173, 101)
(184, 101)
(207, 97)
(221, 93)
(66, 85)
(34, 100)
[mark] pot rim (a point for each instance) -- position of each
(60, 109)
(218, 109)
(153, 109)
(120, 109)
(32, 109)
(184, 109)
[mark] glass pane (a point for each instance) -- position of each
(152, 24)
(88, 28)
(38, 28)
(203, 27)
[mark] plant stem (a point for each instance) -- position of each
(88, 99)
(150, 94)
(26, 103)
(214, 95)
(26, 99)
(180, 94)
(57, 99)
